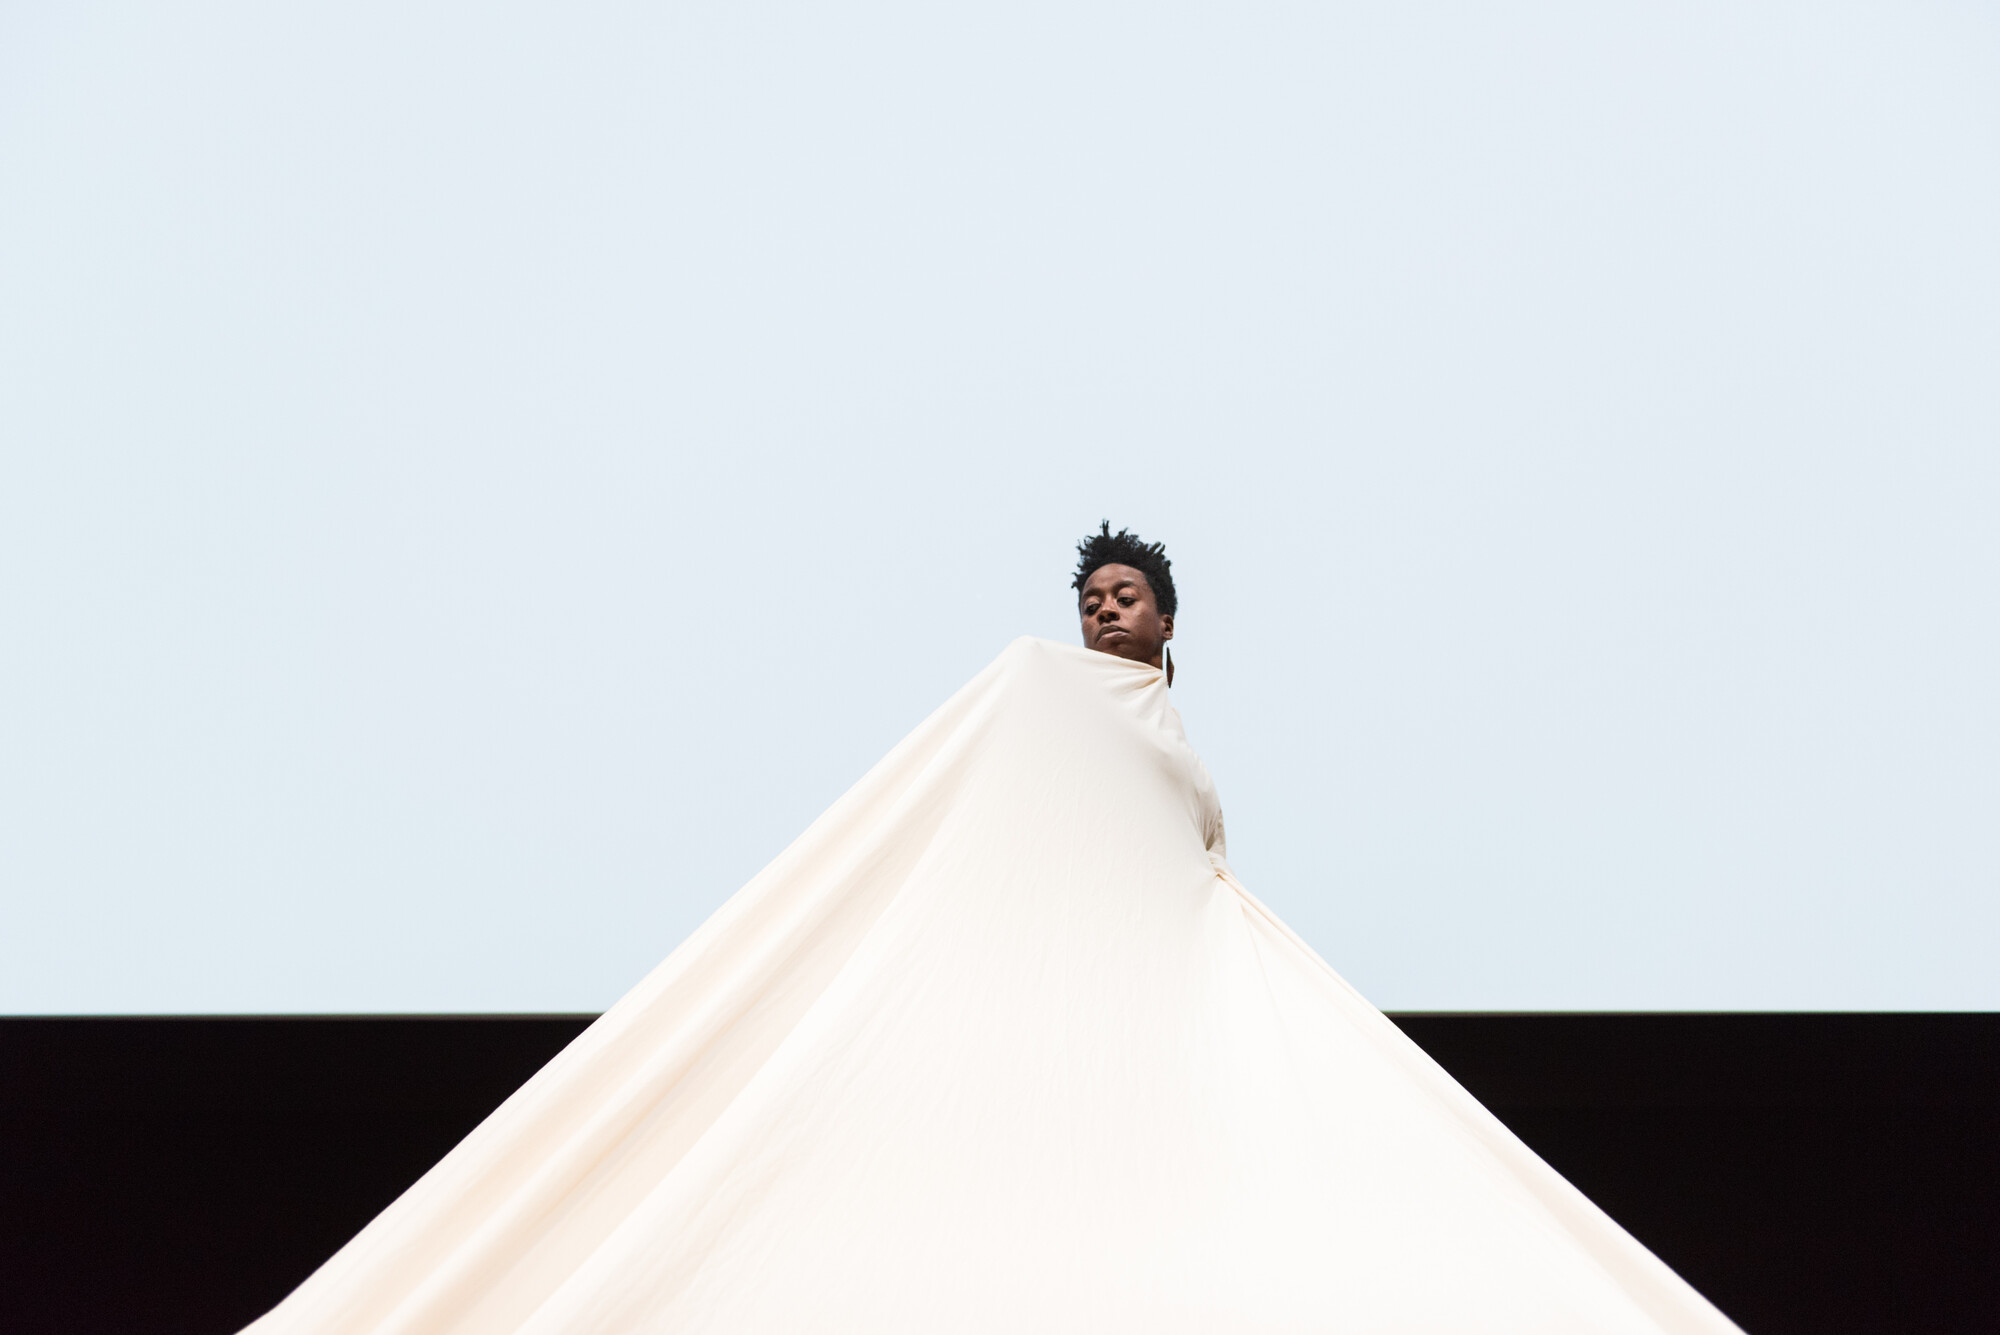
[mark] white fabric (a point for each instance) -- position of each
(1001, 1045)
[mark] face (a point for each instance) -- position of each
(1120, 615)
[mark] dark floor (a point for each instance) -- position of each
(1810, 1173)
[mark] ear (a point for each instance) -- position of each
(1166, 628)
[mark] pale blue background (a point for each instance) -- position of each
(479, 479)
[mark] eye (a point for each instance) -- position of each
(1126, 601)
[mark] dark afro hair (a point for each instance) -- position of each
(1126, 548)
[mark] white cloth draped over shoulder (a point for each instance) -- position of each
(999, 1044)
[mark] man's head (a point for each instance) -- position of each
(1124, 595)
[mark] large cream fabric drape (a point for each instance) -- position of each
(999, 1044)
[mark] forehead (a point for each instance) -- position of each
(1109, 579)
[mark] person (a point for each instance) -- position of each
(1125, 596)
(1000, 1043)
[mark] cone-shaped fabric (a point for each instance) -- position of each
(998, 1045)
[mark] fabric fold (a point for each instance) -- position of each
(999, 1043)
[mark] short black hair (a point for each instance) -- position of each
(1126, 548)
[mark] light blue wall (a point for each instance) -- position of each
(478, 480)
